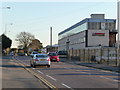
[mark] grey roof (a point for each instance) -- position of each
(87, 20)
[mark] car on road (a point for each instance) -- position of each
(34, 52)
(11, 54)
(40, 60)
(62, 54)
(21, 54)
(53, 56)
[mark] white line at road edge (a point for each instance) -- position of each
(66, 85)
(40, 72)
(51, 77)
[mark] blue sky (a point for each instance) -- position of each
(38, 17)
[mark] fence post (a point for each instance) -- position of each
(101, 54)
(79, 55)
(116, 56)
(84, 55)
(108, 57)
(88, 56)
(68, 55)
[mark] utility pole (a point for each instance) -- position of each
(50, 38)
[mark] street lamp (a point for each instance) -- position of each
(6, 27)
(51, 39)
(5, 7)
(6, 24)
(118, 28)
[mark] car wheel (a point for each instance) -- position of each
(48, 65)
(31, 65)
(34, 66)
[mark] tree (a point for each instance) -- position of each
(24, 39)
(6, 41)
(35, 44)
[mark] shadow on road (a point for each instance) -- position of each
(11, 66)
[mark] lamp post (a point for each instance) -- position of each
(51, 39)
(6, 25)
(118, 28)
(5, 7)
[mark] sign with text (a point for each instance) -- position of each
(98, 34)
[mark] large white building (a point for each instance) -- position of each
(90, 32)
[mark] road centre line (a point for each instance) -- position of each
(51, 77)
(40, 72)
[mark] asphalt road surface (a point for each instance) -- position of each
(61, 75)
(15, 76)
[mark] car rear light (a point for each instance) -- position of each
(36, 60)
(48, 59)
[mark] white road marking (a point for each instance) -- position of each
(110, 79)
(109, 72)
(51, 77)
(66, 85)
(33, 68)
(11, 60)
(68, 68)
(40, 72)
(83, 72)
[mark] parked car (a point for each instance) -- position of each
(40, 59)
(34, 52)
(53, 56)
(62, 54)
(21, 54)
(11, 54)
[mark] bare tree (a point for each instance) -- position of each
(25, 38)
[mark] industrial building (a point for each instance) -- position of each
(90, 32)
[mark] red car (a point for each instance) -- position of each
(53, 56)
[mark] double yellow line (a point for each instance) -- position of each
(48, 84)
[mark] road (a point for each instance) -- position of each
(15, 76)
(71, 76)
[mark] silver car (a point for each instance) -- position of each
(40, 59)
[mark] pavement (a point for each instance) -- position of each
(94, 65)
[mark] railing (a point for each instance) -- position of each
(100, 55)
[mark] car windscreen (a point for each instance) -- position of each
(41, 56)
(35, 52)
(52, 54)
(62, 53)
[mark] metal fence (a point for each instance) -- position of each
(109, 56)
